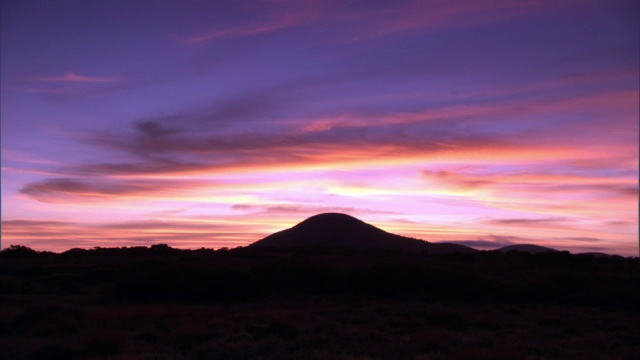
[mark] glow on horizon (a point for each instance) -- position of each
(510, 126)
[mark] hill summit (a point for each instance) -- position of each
(345, 231)
(530, 248)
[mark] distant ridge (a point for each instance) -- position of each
(595, 254)
(344, 231)
(531, 249)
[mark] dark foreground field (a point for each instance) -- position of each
(161, 303)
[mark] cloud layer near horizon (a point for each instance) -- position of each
(475, 122)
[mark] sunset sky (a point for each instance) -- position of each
(215, 123)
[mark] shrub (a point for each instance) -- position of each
(48, 320)
(18, 251)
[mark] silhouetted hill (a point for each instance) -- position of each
(531, 249)
(344, 231)
(447, 248)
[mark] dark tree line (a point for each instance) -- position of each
(160, 273)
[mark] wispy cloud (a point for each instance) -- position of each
(63, 235)
(545, 222)
(583, 239)
(429, 15)
(355, 22)
(230, 139)
(542, 181)
(66, 190)
(239, 31)
(303, 210)
(279, 15)
(492, 241)
(71, 77)
(393, 134)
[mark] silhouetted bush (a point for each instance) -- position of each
(54, 352)
(101, 344)
(17, 252)
(324, 304)
(46, 320)
(160, 281)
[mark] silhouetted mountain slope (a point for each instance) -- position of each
(531, 249)
(341, 230)
(595, 254)
(447, 248)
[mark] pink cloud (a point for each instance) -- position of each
(371, 22)
(282, 15)
(60, 236)
(434, 15)
(239, 31)
(71, 77)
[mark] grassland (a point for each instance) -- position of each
(162, 303)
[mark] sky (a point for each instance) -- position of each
(215, 123)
